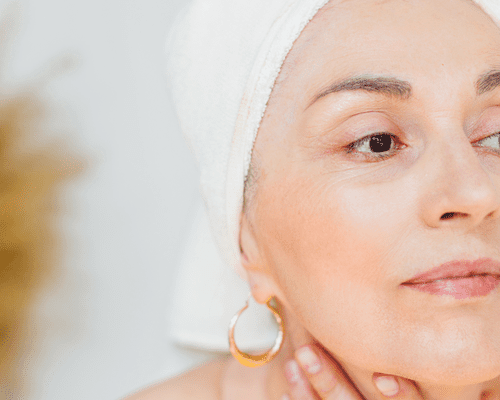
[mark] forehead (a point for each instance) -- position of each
(349, 37)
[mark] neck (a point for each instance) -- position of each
(297, 336)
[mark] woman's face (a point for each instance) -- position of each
(341, 220)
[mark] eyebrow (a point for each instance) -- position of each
(488, 82)
(388, 86)
(394, 87)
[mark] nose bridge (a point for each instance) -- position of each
(461, 164)
(461, 187)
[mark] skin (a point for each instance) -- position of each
(332, 233)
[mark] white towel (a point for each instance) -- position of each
(223, 59)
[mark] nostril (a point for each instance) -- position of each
(447, 215)
(450, 215)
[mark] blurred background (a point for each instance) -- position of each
(101, 326)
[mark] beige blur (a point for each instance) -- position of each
(32, 175)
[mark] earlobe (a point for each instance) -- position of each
(260, 286)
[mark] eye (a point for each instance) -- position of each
(492, 141)
(379, 145)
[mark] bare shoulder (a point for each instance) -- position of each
(202, 383)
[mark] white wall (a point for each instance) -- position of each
(102, 328)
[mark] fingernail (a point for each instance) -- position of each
(387, 385)
(309, 361)
(292, 371)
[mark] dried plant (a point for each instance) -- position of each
(29, 243)
(31, 176)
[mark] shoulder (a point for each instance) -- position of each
(202, 383)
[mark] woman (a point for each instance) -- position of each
(372, 203)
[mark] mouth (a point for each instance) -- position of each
(459, 279)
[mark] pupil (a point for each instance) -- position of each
(380, 143)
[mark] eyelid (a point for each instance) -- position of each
(487, 137)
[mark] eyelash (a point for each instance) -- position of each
(477, 144)
(396, 145)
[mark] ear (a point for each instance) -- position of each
(261, 282)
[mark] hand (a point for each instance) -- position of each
(314, 376)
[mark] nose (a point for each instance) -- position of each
(460, 192)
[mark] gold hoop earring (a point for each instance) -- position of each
(249, 360)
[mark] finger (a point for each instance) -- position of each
(300, 388)
(396, 388)
(325, 376)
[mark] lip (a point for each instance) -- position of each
(458, 269)
(460, 279)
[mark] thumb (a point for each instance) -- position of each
(393, 387)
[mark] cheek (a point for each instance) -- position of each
(336, 229)
(333, 248)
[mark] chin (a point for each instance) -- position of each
(450, 375)
(453, 368)
(467, 363)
